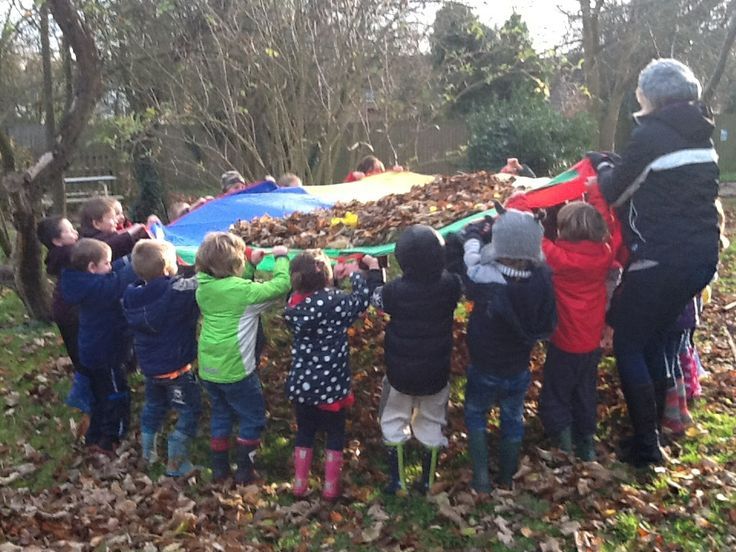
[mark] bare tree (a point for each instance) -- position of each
(25, 188)
(262, 86)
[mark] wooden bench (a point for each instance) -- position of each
(80, 188)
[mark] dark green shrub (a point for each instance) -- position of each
(530, 129)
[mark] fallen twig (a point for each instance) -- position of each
(731, 342)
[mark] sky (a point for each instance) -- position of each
(548, 26)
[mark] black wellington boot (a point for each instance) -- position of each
(643, 449)
(429, 467)
(397, 481)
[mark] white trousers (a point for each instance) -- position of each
(425, 416)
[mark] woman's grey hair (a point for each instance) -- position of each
(666, 81)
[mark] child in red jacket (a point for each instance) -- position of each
(580, 260)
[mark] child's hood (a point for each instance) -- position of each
(526, 306)
(77, 286)
(146, 304)
(216, 288)
(315, 309)
(58, 259)
(583, 256)
(420, 252)
(94, 233)
(689, 120)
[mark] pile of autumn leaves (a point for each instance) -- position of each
(444, 201)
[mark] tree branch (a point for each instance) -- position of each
(710, 89)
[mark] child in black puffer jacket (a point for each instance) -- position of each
(418, 347)
(319, 380)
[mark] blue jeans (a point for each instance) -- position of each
(241, 401)
(643, 311)
(483, 391)
(181, 394)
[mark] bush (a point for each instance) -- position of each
(531, 130)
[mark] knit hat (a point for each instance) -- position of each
(420, 251)
(666, 81)
(516, 235)
(230, 179)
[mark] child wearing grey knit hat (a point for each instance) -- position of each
(514, 307)
(231, 180)
(516, 236)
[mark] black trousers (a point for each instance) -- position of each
(69, 331)
(569, 395)
(310, 420)
(110, 416)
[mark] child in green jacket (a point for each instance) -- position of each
(231, 303)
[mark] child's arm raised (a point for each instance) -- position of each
(353, 304)
(260, 294)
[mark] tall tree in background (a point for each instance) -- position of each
(476, 63)
(25, 188)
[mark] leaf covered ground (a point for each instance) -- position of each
(53, 496)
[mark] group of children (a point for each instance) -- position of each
(114, 287)
(525, 287)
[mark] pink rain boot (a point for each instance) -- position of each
(671, 421)
(685, 416)
(333, 468)
(302, 463)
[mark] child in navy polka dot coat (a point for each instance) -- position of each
(319, 380)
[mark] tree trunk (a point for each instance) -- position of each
(609, 121)
(68, 75)
(56, 185)
(710, 89)
(591, 65)
(7, 156)
(25, 189)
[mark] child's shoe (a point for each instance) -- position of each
(302, 464)
(245, 453)
(220, 451)
(148, 447)
(671, 420)
(685, 416)
(333, 470)
(585, 448)
(563, 440)
(478, 447)
(429, 467)
(508, 462)
(178, 464)
(80, 394)
(397, 480)
(82, 427)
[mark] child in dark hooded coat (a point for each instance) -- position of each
(418, 347)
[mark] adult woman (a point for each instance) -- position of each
(664, 188)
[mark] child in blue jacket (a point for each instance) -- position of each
(96, 284)
(162, 312)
